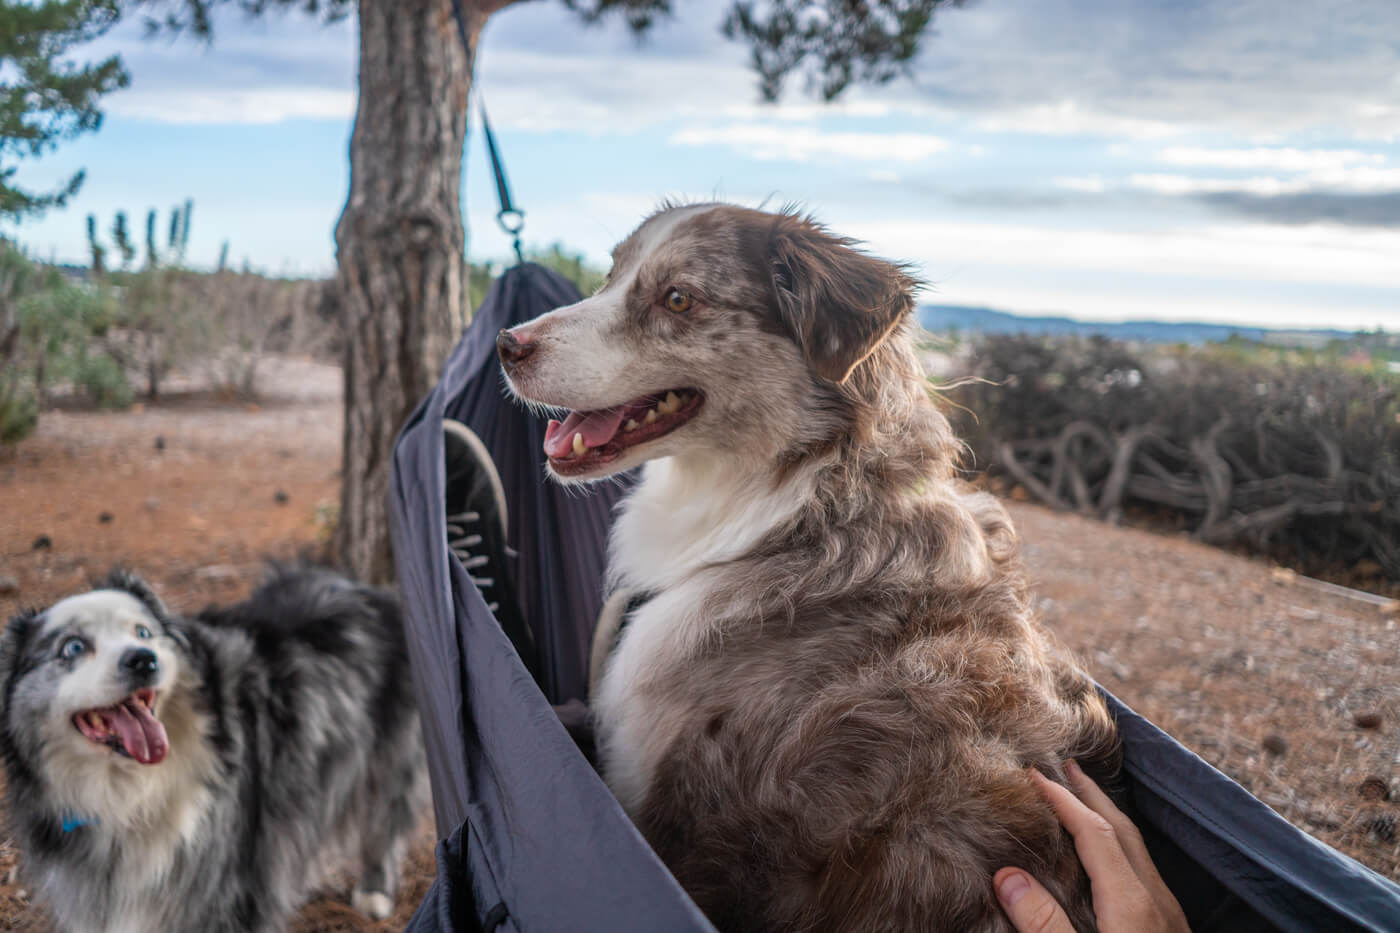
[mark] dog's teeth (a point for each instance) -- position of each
(580, 448)
(95, 721)
(670, 405)
(651, 416)
(631, 425)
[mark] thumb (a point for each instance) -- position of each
(1029, 906)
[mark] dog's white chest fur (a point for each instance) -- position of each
(672, 533)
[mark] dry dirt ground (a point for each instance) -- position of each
(1262, 675)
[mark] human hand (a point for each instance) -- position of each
(1129, 895)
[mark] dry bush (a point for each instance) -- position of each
(220, 326)
(251, 316)
(1297, 459)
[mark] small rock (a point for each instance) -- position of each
(1275, 744)
(105, 518)
(281, 497)
(1368, 720)
(160, 442)
(151, 503)
(42, 543)
(8, 586)
(1111, 664)
(1366, 569)
(1374, 788)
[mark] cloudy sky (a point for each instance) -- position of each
(1103, 158)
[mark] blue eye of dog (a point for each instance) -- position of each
(142, 632)
(72, 648)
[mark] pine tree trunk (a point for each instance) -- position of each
(399, 244)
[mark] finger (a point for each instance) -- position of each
(1094, 837)
(1028, 905)
(1129, 838)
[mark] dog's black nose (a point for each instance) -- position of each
(511, 350)
(140, 663)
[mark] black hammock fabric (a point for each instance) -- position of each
(533, 841)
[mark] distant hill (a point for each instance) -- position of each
(987, 321)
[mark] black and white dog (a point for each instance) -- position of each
(173, 774)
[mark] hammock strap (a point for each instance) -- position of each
(510, 217)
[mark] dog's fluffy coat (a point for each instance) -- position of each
(294, 744)
(822, 715)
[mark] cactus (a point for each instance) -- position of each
(123, 239)
(174, 240)
(185, 225)
(98, 253)
(152, 254)
(223, 257)
(177, 234)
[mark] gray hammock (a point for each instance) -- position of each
(531, 839)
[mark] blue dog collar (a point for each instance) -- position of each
(72, 821)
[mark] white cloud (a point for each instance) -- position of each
(1263, 186)
(1086, 302)
(1345, 257)
(1071, 118)
(235, 105)
(1349, 180)
(1282, 159)
(802, 144)
(1089, 184)
(1137, 67)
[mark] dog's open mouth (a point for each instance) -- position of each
(586, 440)
(129, 727)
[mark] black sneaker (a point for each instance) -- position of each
(476, 530)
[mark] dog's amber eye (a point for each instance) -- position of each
(72, 648)
(677, 301)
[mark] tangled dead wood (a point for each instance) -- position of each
(1298, 461)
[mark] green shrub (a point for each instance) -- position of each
(19, 414)
(103, 381)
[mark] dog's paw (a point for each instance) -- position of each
(373, 904)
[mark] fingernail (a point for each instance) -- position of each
(1013, 887)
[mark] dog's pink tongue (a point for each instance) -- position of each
(597, 428)
(142, 734)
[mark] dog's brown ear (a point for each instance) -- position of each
(838, 303)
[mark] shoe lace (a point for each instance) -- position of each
(460, 541)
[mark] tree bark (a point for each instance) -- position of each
(399, 248)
